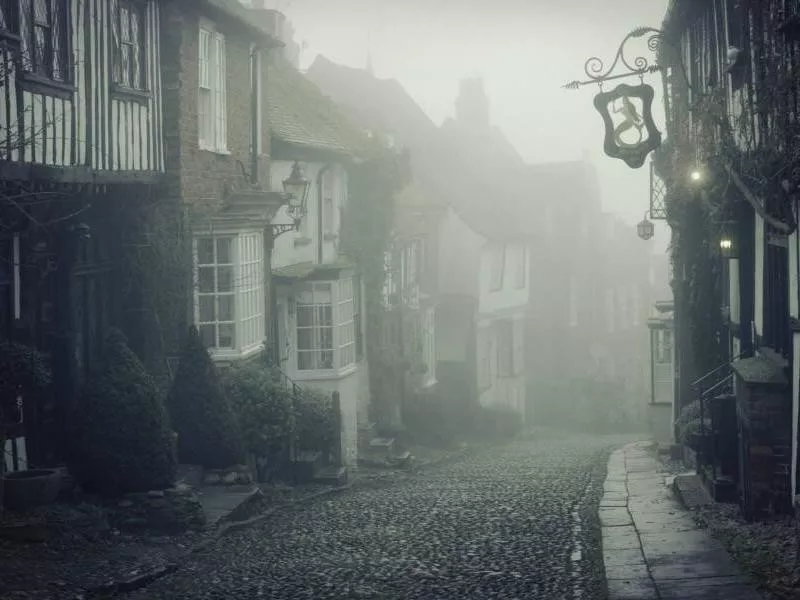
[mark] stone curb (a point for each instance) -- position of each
(142, 580)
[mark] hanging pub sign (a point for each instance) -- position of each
(630, 133)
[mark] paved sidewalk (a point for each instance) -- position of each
(652, 547)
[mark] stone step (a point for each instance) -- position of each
(332, 476)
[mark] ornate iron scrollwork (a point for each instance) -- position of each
(597, 72)
(615, 145)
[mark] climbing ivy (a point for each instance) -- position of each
(367, 233)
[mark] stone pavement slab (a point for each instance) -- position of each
(652, 548)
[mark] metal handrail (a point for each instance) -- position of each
(714, 387)
(727, 363)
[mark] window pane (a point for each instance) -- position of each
(225, 279)
(41, 50)
(325, 315)
(305, 316)
(59, 43)
(326, 337)
(125, 23)
(205, 251)
(136, 39)
(208, 335)
(224, 251)
(41, 12)
(226, 307)
(125, 65)
(206, 309)
(205, 276)
(227, 337)
(325, 360)
(305, 361)
(304, 339)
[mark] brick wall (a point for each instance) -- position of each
(765, 415)
(198, 177)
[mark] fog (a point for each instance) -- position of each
(524, 49)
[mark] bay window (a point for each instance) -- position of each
(229, 297)
(326, 328)
(212, 92)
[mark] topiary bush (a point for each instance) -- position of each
(208, 431)
(315, 421)
(121, 440)
(263, 406)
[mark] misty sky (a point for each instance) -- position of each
(524, 49)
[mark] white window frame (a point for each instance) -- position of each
(328, 203)
(247, 291)
(212, 80)
(255, 55)
(342, 346)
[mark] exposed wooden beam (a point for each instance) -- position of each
(17, 171)
(757, 203)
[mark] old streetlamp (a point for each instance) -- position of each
(295, 187)
(645, 228)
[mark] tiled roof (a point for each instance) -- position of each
(439, 167)
(235, 10)
(301, 115)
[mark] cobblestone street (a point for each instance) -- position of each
(516, 521)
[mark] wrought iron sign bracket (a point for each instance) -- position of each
(595, 69)
(284, 228)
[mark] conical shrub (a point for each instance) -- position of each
(208, 432)
(122, 441)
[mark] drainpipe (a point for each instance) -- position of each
(255, 100)
(320, 232)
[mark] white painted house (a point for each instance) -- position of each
(318, 321)
(480, 321)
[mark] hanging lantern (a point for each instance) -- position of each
(630, 132)
(728, 248)
(645, 228)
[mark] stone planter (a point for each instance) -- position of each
(32, 488)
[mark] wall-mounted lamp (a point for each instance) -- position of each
(296, 188)
(645, 228)
(696, 176)
(727, 241)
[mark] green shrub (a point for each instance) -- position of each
(122, 441)
(208, 432)
(263, 406)
(315, 421)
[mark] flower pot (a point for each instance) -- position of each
(29, 489)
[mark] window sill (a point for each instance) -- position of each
(42, 85)
(326, 374)
(126, 93)
(229, 356)
(217, 151)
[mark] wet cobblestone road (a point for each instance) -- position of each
(516, 521)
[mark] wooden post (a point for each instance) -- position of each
(337, 436)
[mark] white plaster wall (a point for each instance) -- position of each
(302, 246)
(509, 296)
(459, 256)
(350, 389)
(758, 308)
(733, 301)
